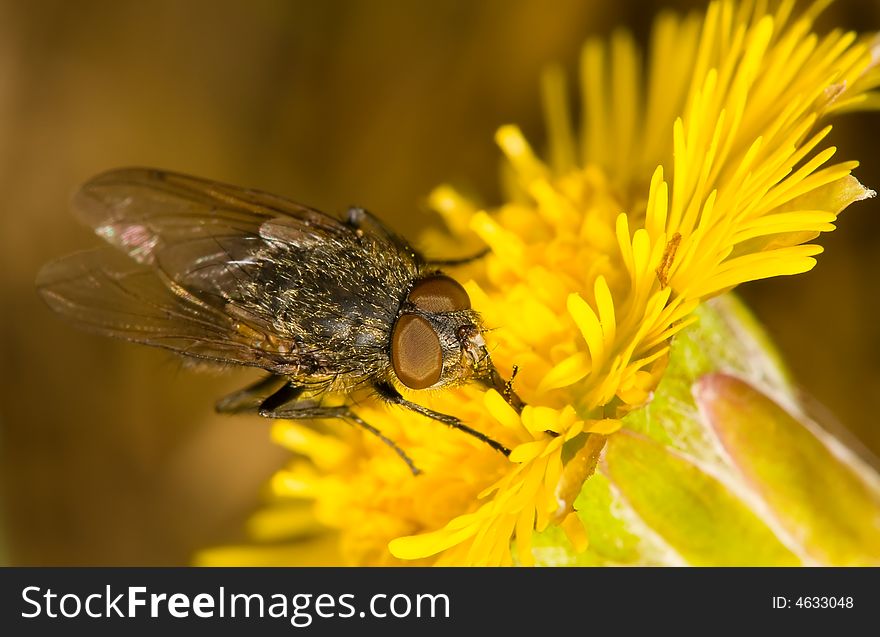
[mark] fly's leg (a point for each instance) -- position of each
(350, 416)
(288, 393)
(442, 263)
(389, 393)
(364, 221)
(251, 397)
(282, 404)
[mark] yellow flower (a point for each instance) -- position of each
(709, 172)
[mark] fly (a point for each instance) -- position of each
(234, 276)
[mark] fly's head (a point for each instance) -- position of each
(437, 339)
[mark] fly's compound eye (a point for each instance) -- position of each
(439, 293)
(416, 355)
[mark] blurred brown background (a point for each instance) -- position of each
(111, 454)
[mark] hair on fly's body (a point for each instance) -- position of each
(231, 276)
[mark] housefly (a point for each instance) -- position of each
(234, 276)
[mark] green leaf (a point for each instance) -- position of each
(697, 515)
(828, 503)
(713, 472)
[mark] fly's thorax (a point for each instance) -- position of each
(437, 338)
(337, 299)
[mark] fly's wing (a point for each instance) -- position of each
(204, 235)
(144, 211)
(201, 234)
(103, 291)
(194, 244)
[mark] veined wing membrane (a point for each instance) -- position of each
(143, 211)
(106, 292)
(209, 238)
